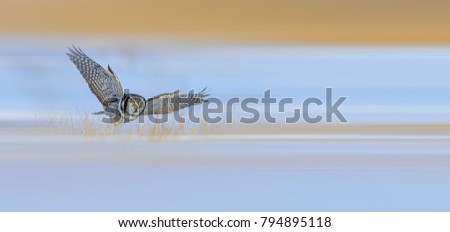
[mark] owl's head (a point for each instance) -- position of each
(132, 106)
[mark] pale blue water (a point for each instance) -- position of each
(382, 175)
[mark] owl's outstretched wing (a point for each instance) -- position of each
(169, 102)
(104, 84)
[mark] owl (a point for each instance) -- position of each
(125, 107)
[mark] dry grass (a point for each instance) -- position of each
(90, 125)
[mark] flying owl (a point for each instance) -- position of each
(120, 106)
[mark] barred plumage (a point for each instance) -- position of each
(105, 85)
(170, 102)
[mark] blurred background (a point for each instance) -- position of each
(389, 58)
(285, 21)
